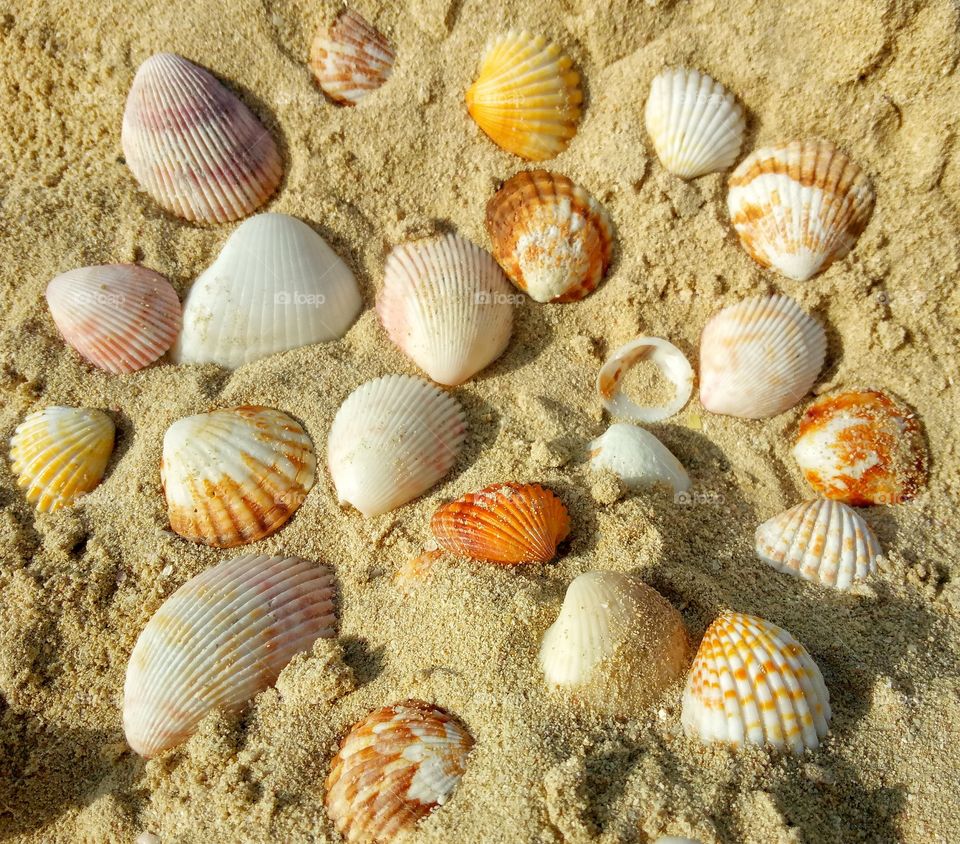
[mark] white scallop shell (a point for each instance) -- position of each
(638, 458)
(672, 363)
(275, 285)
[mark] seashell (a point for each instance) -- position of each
(671, 362)
(752, 683)
(800, 206)
(60, 453)
(391, 440)
(235, 476)
(193, 146)
(695, 123)
(759, 357)
(526, 97)
(446, 304)
(862, 448)
(552, 238)
(416, 569)
(638, 458)
(221, 638)
(617, 644)
(275, 286)
(503, 523)
(350, 58)
(119, 317)
(823, 541)
(394, 768)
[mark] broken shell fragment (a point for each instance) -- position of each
(638, 458)
(663, 354)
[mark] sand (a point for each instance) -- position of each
(76, 587)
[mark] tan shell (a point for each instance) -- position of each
(350, 58)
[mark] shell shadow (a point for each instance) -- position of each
(366, 662)
(483, 427)
(532, 333)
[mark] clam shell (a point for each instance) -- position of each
(350, 58)
(193, 146)
(60, 453)
(862, 447)
(752, 683)
(695, 123)
(638, 458)
(759, 357)
(221, 638)
(552, 238)
(119, 317)
(275, 286)
(446, 304)
(394, 768)
(527, 96)
(671, 362)
(391, 440)
(798, 207)
(503, 523)
(235, 476)
(821, 540)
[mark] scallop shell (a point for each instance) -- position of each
(275, 286)
(759, 357)
(862, 448)
(446, 304)
(800, 206)
(696, 124)
(350, 58)
(526, 97)
(391, 440)
(221, 638)
(193, 146)
(752, 683)
(394, 768)
(235, 476)
(60, 453)
(671, 362)
(119, 317)
(552, 238)
(823, 541)
(638, 458)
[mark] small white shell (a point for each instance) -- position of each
(350, 58)
(666, 356)
(638, 458)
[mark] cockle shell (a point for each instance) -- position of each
(752, 683)
(503, 523)
(822, 540)
(217, 641)
(800, 206)
(667, 357)
(193, 146)
(350, 58)
(394, 768)
(391, 440)
(638, 458)
(275, 286)
(695, 123)
(235, 476)
(60, 453)
(552, 238)
(446, 304)
(527, 96)
(759, 357)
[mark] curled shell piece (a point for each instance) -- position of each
(527, 96)
(350, 58)
(752, 683)
(759, 357)
(552, 238)
(394, 768)
(391, 440)
(671, 363)
(638, 458)
(798, 207)
(695, 123)
(193, 146)
(217, 641)
(235, 476)
(60, 453)
(446, 304)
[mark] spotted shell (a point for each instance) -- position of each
(350, 58)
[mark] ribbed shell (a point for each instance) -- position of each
(552, 238)
(235, 476)
(350, 58)
(798, 207)
(221, 638)
(638, 458)
(193, 146)
(391, 440)
(447, 305)
(667, 357)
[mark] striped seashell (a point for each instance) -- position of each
(350, 58)
(193, 146)
(219, 640)
(235, 476)
(638, 458)
(662, 353)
